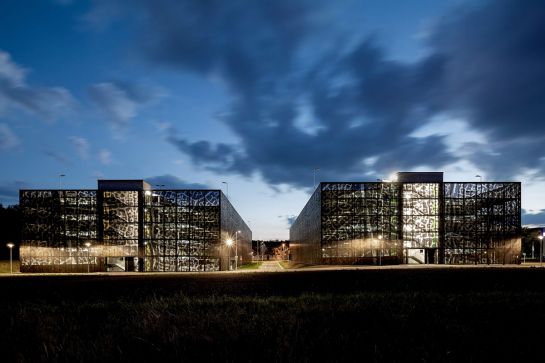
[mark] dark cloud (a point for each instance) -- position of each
(48, 103)
(381, 94)
(297, 105)
(533, 218)
(9, 192)
(242, 41)
(289, 219)
(170, 181)
(494, 74)
(203, 152)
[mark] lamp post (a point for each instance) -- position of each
(251, 241)
(314, 183)
(227, 188)
(229, 243)
(236, 250)
(540, 249)
(480, 178)
(380, 253)
(60, 180)
(10, 246)
(88, 245)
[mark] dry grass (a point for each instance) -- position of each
(396, 315)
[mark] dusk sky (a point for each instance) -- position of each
(259, 93)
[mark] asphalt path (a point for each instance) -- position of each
(270, 266)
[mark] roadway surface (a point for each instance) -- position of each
(270, 266)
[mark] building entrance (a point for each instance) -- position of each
(421, 256)
(121, 264)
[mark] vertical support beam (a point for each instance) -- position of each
(441, 242)
(321, 244)
(190, 226)
(100, 216)
(401, 251)
(100, 222)
(141, 246)
(178, 231)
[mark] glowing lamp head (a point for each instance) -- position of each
(229, 242)
(10, 245)
(87, 244)
(540, 237)
(379, 236)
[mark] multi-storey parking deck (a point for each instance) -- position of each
(416, 219)
(127, 226)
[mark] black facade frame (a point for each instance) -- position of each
(409, 222)
(130, 230)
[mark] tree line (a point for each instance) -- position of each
(10, 230)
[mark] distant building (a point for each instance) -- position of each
(416, 219)
(126, 225)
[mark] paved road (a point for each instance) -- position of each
(270, 266)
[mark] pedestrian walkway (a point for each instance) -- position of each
(270, 266)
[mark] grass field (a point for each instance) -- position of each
(250, 266)
(425, 315)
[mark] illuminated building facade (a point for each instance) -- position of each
(127, 226)
(417, 219)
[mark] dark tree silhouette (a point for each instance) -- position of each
(10, 230)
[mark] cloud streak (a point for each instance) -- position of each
(533, 218)
(9, 191)
(105, 157)
(48, 103)
(121, 101)
(8, 140)
(167, 181)
(59, 157)
(82, 146)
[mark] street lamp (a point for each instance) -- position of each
(229, 243)
(88, 245)
(480, 178)
(60, 180)
(540, 250)
(227, 188)
(236, 249)
(10, 246)
(380, 254)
